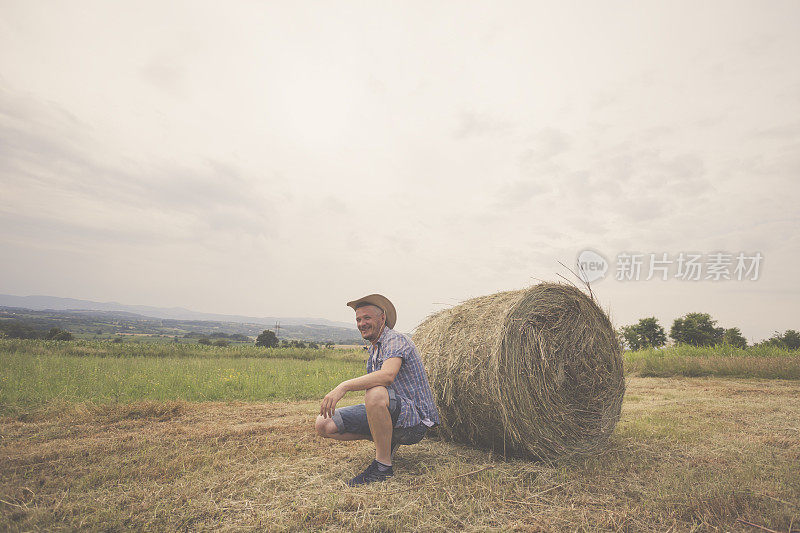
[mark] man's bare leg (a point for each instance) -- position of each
(326, 427)
(380, 422)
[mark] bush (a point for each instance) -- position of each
(58, 334)
(267, 339)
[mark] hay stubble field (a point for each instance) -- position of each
(703, 453)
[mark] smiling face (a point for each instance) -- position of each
(370, 320)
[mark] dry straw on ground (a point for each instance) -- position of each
(535, 372)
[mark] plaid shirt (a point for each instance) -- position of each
(411, 383)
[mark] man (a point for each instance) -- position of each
(398, 404)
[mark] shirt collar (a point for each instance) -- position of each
(386, 331)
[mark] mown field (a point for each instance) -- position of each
(101, 436)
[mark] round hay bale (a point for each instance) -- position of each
(535, 372)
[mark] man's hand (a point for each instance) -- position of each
(329, 402)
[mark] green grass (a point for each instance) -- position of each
(34, 373)
(764, 362)
(168, 350)
(152, 338)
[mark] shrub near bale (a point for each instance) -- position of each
(536, 372)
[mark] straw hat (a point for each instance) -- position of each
(380, 301)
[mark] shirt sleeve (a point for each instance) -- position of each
(395, 348)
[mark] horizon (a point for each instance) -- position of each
(336, 323)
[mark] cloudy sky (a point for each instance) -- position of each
(281, 158)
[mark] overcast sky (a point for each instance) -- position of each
(281, 158)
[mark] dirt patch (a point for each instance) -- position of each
(148, 410)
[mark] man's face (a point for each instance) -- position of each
(369, 320)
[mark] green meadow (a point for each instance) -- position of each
(35, 372)
(763, 362)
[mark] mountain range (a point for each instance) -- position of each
(43, 303)
(87, 317)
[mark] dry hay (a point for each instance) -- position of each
(535, 372)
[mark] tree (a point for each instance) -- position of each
(204, 340)
(58, 334)
(630, 337)
(697, 329)
(646, 333)
(651, 333)
(791, 339)
(18, 330)
(734, 337)
(267, 339)
(221, 342)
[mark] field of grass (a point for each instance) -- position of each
(149, 339)
(160, 437)
(35, 373)
(168, 349)
(767, 362)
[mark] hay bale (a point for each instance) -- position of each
(535, 372)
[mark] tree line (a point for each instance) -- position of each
(268, 339)
(19, 330)
(696, 329)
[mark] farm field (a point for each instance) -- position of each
(34, 372)
(690, 453)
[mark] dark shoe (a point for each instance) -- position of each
(372, 474)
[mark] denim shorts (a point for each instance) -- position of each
(353, 419)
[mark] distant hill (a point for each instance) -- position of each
(42, 303)
(83, 316)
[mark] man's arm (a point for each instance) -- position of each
(380, 378)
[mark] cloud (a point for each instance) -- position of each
(789, 131)
(52, 161)
(546, 144)
(519, 193)
(166, 75)
(472, 124)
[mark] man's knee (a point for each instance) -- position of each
(325, 426)
(377, 397)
